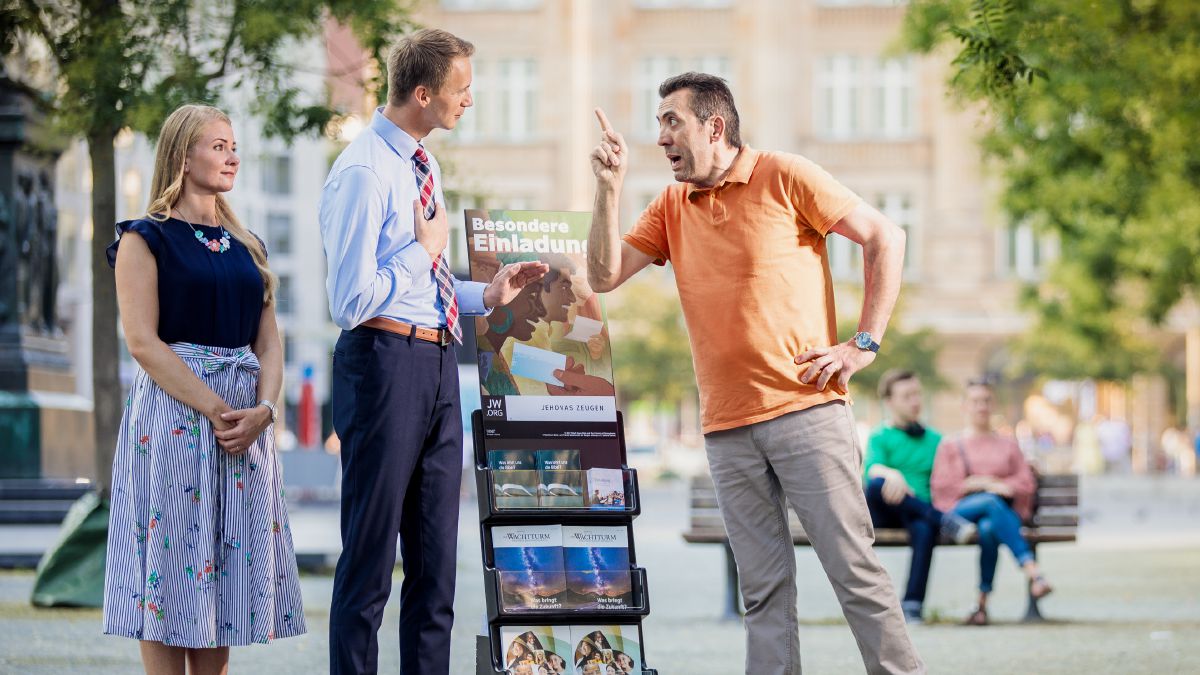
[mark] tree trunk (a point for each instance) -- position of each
(106, 381)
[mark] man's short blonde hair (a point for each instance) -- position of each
(423, 59)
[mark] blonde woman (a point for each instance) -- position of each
(200, 553)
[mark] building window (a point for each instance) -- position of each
(470, 125)
(283, 295)
(517, 93)
(1025, 254)
(837, 97)
(862, 3)
(456, 204)
(682, 4)
(863, 98)
(651, 71)
(898, 207)
(892, 104)
(289, 351)
(279, 233)
(277, 174)
(845, 258)
(494, 5)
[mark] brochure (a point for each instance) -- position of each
(529, 559)
(598, 570)
(606, 488)
(603, 650)
(514, 478)
(536, 650)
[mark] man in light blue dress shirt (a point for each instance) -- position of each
(395, 378)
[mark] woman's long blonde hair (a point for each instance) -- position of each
(180, 132)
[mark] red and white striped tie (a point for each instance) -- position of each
(441, 267)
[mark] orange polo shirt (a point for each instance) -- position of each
(753, 277)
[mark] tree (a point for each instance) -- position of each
(128, 63)
(916, 351)
(652, 357)
(1089, 108)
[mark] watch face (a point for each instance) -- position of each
(862, 340)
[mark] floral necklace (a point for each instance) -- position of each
(215, 245)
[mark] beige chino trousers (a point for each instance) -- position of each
(813, 459)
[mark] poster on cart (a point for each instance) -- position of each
(545, 363)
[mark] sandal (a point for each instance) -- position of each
(1040, 588)
(977, 618)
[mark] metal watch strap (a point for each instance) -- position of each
(271, 406)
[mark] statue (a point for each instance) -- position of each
(8, 253)
(24, 223)
(48, 237)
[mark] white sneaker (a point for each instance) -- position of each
(957, 529)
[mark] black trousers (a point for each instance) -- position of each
(396, 410)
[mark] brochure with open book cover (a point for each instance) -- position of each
(545, 366)
(536, 650)
(606, 650)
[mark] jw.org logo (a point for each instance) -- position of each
(495, 407)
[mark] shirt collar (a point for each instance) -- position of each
(399, 140)
(739, 172)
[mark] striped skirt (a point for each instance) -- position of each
(199, 549)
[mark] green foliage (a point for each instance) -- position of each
(987, 49)
(916, 351)
(1093, 115)
(130, 63)
(652, 357)
(116, 64)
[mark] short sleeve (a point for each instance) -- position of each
(262, 244)
(817, 196)
(649, 234)
(149, 230)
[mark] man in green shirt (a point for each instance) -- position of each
(896, 471)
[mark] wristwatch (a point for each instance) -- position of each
(271, 406)
(863, 341)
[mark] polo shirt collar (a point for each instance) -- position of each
(739, 171)
(399, 140)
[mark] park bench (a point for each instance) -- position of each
(1055, 519)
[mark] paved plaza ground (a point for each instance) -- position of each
(1127, 600)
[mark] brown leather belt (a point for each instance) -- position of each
(439, 336)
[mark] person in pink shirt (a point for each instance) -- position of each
(982, 476)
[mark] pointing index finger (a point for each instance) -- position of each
(604, 125)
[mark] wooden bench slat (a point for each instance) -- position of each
(1056, 519)
(1057, 500)
(1058, 480)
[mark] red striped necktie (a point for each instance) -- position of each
(441, 267)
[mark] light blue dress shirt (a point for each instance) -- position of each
(375, 265)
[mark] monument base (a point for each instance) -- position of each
(45, 425)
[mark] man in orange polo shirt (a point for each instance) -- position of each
(745, 231)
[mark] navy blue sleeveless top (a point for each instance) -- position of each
(206, 298)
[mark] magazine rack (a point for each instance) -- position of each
(489, 648)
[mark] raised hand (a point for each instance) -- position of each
(509, 281)
(610, 158)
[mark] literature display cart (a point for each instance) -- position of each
(564, 591)
(550, 614)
